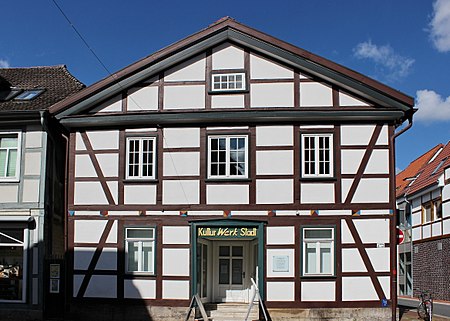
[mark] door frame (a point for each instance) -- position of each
(228, 223)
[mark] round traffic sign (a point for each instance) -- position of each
(400, 236)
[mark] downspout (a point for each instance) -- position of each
(410, 123)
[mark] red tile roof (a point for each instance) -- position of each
(424, 170)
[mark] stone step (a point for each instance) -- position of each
(231, 311)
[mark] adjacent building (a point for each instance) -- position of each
(225, 157)
(32, 167)
(423, 194)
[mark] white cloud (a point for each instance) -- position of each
(432, 107)
(4, 63)
(391, 65)
(440, 25)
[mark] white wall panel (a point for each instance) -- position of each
(227, 194)
(352, 261)
(176, 262)
(383, 139)
(89, 193)
(436, 229)
(79, 143)
(112, 105)
(417, 233)
(315, 95)
(317, 193)
(176, 234)
(109, 164)
(274, 191)
(358, 289)
(351, 160)
(426, 231)
(271, 267)
(275, 162)
(32, 163)
(107, 259)
(280, 291)
(280, 235)
(172, 289)
(347, 100)
(102, 286)
(84, 166)
(373, 230)
(145, 98)
(227, 56)
(77, 280)
(8, 193)
(318, 291)
(446, 229)
(346, 235)
(445, 209)
(33, 139)
(227, 101)
(104, 139)
(356, 134)
(416, 218)
(184, 97)
(181, 164)
(372, 190)
(265, 69)
(346, 184)
(385, 282)
(88, 231)
(380, 258)
(378, 162)
(181, 137)
(82, 257)
(31, 190)
(181, 192)
(190, 70)
(272, 95)
(139, 289)
(140, 194)
(274, 136)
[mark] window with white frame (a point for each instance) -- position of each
(228, 156)
(141, 154)
(317, 155)
(228, 82)
(318, 251)
(140, 249)
(9, 155)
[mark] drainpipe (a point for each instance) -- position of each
(410, 122)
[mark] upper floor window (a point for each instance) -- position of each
(318, 251)
(141, 157)
(432, 210)
(228, 157)
(140, 249)
(317, 155)
(9, 155)
(228, 82)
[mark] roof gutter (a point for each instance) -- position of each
(410, 123)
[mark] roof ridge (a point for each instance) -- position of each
(36, 67)
(69, 74)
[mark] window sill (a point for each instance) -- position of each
(140, 181)
(318, 178)
(9, 180)
(324, 276)
(227, 180)
(225, 92)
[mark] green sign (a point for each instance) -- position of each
(227, 232)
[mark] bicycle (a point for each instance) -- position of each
(425, 308)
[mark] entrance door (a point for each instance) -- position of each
(232, 272)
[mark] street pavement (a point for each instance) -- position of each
(411, 315)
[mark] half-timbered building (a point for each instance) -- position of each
(227, 157)
(32, 168)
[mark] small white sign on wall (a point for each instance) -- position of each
(280, 263)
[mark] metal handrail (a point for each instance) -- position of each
(261, 303)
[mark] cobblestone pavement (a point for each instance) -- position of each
(411, 315)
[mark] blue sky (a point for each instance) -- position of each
(403, 43)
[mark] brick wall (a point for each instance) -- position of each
(431, 268)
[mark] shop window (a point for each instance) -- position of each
(141, 154)
(9, 156)
(317, 155)
(228, 157)
(12, 263)
(318, 251)
(140, 250)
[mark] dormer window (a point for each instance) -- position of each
(228, 82)
(29, 94)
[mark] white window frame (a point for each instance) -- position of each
(19, 158)
(141, 240)
(24, 245)
(316, 155)
(228, 81)
(317, 242)
(140, 161)
(227, 157)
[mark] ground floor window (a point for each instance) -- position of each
(318, 251)
(12, 263)
(140, 249)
